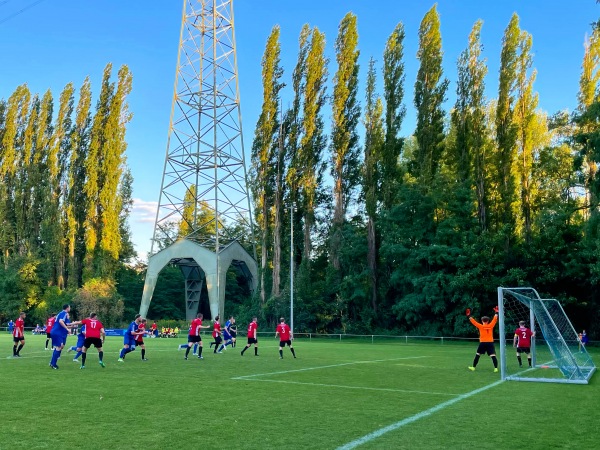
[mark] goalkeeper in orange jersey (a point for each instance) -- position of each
(486, 338)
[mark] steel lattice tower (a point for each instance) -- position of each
(204, 215)
(205, 172)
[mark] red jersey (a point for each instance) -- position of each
(195, 328)
(252, 330)
(524, 337)
(19, 329)
(92, 328)
(216, 329)
(140, 337)
(284, 331)
(50, 324)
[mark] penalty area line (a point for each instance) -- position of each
(341, 386)
(245, 377)
(378, 433)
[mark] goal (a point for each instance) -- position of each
(556, 352)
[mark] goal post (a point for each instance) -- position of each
(557, 355)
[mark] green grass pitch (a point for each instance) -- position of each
(335, 395)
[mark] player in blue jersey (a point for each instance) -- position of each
(59, 334)
(78, 348)
(129, 338)
(227, 337)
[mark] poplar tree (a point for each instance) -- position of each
(468, 120)
(506, 133)
(313, 140)
(112, 165)
(264, 153)
(76, 205)
(344, 137)
(393, 89)
(374, 144)
(430, 93)
(92, 164)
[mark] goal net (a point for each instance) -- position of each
(556, 352)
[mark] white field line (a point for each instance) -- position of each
(245, 377)
(404, 391)
(378, 433)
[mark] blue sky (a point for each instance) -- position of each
(58, 41)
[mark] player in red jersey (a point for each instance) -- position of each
(522, 342)
(19, 335)
(216, 334)
(252, 337)
(285, 337)
(139, 339)
(49, 325)
(194, 336)
(94, 335)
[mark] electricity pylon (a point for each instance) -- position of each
(204, 202)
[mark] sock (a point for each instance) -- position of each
(100, 356)
(529, 360)
(520, 361)
(245, 348)
(47, 340)
(143, 353)
(15, 350)
(211, 344)
(122, 354)
(476, 360)
(83, 356)
(73, 348)
(19, 348)
(293, 351)
(495, 361)
(255, 350)
(280, 353)
(55, 356)
(187, 351)
(79, 353)
(183, 345)
(195, 348)
(199, 351)
(221, 347)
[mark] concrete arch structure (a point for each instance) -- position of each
(198, 265)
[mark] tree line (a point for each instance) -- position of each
(402, 233)
(65, 197)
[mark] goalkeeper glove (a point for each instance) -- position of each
(468, 312)
(496, 309)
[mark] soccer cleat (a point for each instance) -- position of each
(102, 364)
(178, 348)
(75, 360)
(46, 348)
(495, 369)
(82, 367)
(195, 354)
(185, 357)
(281, 357)
(70, 350)
(120, 360)
(471, 368)
(200, 357)
(54, 367)
(220, 352)
(16, 356)
(144, 359)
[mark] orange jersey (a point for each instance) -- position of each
(486, 331)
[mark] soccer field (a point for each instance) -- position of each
(335, 395)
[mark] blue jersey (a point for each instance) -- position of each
(58, 329)
(226, 331)
(81, 336)
(132, 328)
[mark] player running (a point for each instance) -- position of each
(94, 335)
(522, 342)
(129, 338)
(486, 338)
(285, 337)
(194, 336)
(216, 334)
(18, 333)
(49, 324)
(252, 337)
(227, 337)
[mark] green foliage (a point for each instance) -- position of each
(100, 296)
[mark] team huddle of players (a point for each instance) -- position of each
(92, 333)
